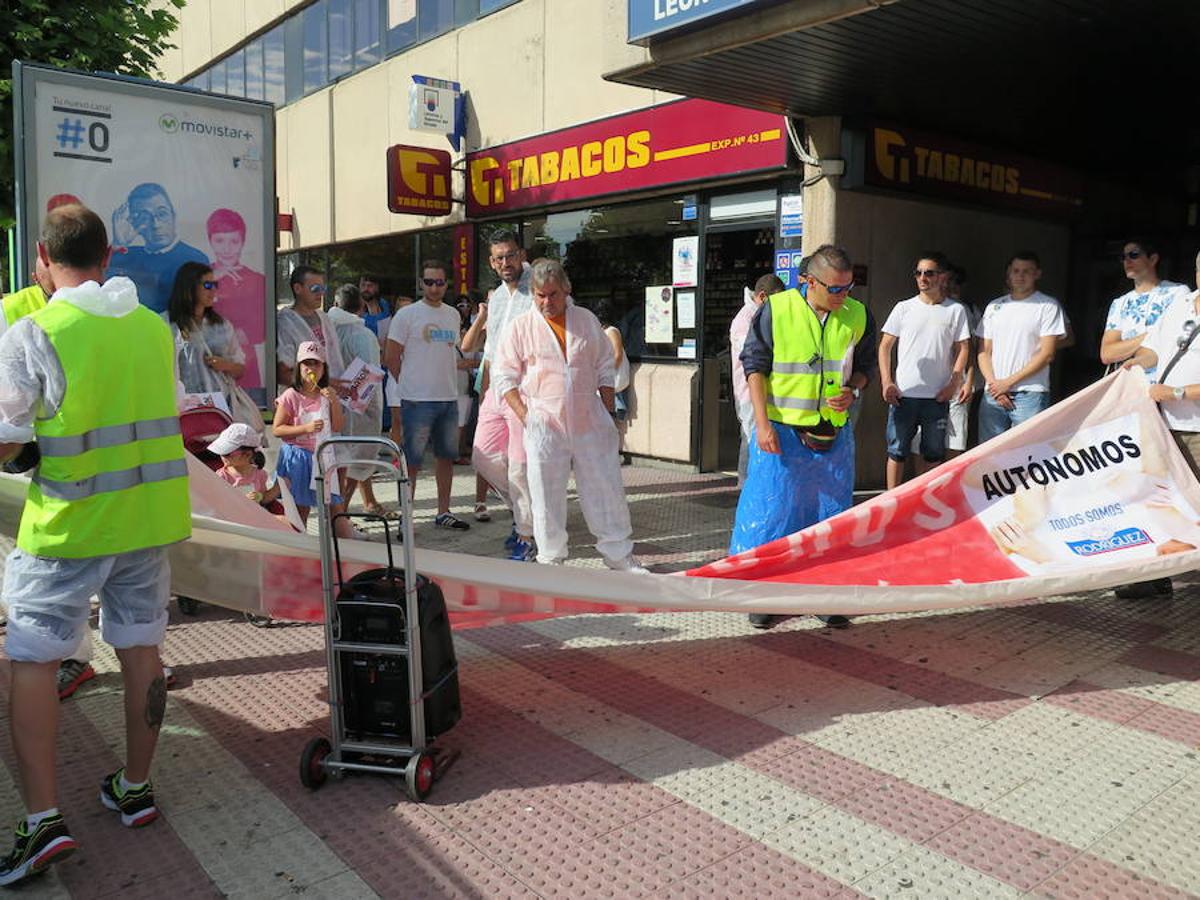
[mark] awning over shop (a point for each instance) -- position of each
(1092, 82)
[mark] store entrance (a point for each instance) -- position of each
(734, 258)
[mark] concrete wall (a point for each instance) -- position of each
(529, 68)
(886, 233)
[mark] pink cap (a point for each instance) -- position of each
(310, 350)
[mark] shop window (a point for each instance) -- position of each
(274, 83)
(254, 71)
(402, 24)
(235, 74)
(367, 33)
(393, 260)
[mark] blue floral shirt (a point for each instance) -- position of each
(1133, 313)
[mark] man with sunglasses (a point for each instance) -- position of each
(930, 335)
(422, 356)
(1172, 348)
(1019, 333)
(799, 360)
(305, 320)
(1131, 315)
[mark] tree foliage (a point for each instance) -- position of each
(122, 36)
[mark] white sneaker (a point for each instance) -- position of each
(628, 564)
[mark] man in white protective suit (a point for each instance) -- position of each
(555, 370)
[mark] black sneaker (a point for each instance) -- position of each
(49, 843)
(450, 520)
(1145, 590)
(762, 620)
(136, 805)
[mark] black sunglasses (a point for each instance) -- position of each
(433, 282)
(833, 289)
(1132, 254)
(926, 273)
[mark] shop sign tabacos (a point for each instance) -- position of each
(687, 140)
(418, 180)
(917, 162)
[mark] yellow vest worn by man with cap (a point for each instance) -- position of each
(22, 303)
(808, 358)
(113, 475)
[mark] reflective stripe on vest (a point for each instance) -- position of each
(113, 474)
(806, 368)
(22, 303)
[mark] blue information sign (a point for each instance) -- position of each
(650, 18)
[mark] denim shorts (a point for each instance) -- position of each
(426, 420)
(912, 413)
(49, 601)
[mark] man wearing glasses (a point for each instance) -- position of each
(305, 320)
(422, 356)
(931, 335)
(800, 364)
(1020, 332)
(498, 454)
(1132, 314)
(148, 216)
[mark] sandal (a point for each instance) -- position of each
(378, 509)
(481, 513)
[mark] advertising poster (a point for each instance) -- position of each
(685, 305)
(685, 257)
(660, 314)
(178, 177)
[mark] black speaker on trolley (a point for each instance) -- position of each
(376, 697)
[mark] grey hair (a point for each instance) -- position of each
(545, 270)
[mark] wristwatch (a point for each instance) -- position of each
(1178, 393)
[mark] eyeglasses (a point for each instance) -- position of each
(1132, 254)
(316, 288)
(506, 257)
(433, 282)
(926, 273)
(834, 289)
(209, 285)
(1188, 327)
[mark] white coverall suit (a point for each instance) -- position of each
(567, 427)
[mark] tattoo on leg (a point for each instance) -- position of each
(156, 702)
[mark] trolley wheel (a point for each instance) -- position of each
(259, 621)
(188, 606)
(418, 776)
(312, 763)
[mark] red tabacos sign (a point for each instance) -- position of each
(687, 140)
(418, 180)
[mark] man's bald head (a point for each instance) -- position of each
(74, 237)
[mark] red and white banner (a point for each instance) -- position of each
(1090, 494)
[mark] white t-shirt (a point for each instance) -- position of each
(429, 335)
(1163, 338)
(925, 335)
(1015, 328)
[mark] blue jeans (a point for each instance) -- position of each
(995, 419)
(426, 420)
(910, 414)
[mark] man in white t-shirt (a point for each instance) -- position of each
(1177, 393)
(422, 355)
(931, 337)
(1019, 332)
(1135, 312)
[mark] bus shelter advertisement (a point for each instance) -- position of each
(177, 175)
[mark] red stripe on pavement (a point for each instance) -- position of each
(1004, 851)
(1163, 660)
(1129, 711)
(1087, 617)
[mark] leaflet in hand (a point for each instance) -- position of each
(362, 381)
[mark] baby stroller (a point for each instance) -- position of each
(199, 427)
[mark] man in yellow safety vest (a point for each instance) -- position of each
(802, 364)
(90, 376)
